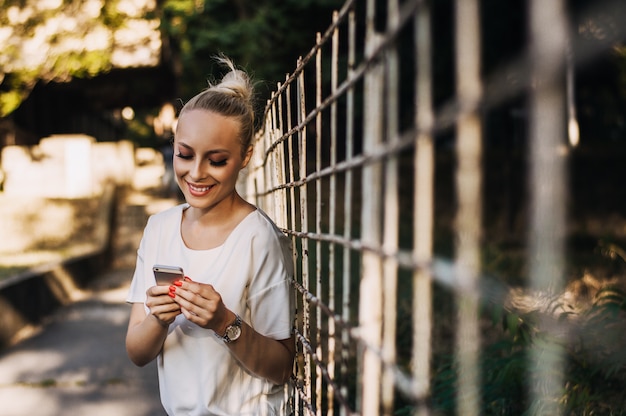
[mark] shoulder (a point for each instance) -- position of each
(269, 248)
(262, 226)
(168, 216)
(263, 235)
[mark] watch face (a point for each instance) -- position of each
(233, 332)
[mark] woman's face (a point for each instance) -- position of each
(207, 157)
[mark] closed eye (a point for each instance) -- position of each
(182, 156)
(218, 162)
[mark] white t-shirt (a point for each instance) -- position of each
(251, 271)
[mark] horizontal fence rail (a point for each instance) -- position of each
(346, 163)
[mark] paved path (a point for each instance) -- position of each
(76, 364)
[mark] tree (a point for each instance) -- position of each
(57, 40)
(265, 36)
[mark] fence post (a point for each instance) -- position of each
(468, 219)
(371, 289)
(547, 189)
(423, 209)
(347, 202)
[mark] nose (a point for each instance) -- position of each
(197, 171)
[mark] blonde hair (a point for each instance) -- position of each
(231, 97)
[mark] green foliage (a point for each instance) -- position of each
(58, 58)
(265, 36)
(9, 101)
(594, 355)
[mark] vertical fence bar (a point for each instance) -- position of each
(391, 221)
(318, 221)
(347, 204)
(547, 187)
(267, 177)
(468, 221)
(423, 209)
(292, 189)
(370, 302)
(304, 225)
(332, 208)
(292, 215)
(281, 169)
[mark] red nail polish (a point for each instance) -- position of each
(187, 277)
(171, 295)
(178, 283)
(173, 288)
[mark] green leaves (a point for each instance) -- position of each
(58, 41)
(265, 36)
(590, 343)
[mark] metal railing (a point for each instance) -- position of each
(345, 162)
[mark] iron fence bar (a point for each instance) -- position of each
(302, 152)
(391, 215)
(332, 208)
(282, 170)
(303, 397)
(347, 201)
(468, 219)
(548, 43)
(370, 287)
(318, 219)
(423, 209)
(292, 209)
(324, 370)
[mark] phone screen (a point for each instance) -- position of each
(166, 275)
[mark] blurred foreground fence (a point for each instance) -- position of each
(345, 163)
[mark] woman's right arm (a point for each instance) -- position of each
(146, 332)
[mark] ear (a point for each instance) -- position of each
(247, 157)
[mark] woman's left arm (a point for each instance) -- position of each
(265, 357)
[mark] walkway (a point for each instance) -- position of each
(76, 364)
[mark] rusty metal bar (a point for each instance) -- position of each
(332, 214)
(302, 152)
(318, 221)
(423, 208)
(391, 215)
(468, 220)
(347, 202)
(548, 44)
(371, 288)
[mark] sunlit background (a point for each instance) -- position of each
(89, 92)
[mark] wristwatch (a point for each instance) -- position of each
(233, 331)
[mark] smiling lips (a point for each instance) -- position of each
(199, 190)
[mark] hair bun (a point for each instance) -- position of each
(235, 83)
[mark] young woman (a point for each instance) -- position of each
(222, 336)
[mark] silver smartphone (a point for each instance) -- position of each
(166, 275)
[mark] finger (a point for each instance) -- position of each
(157, 290)
(202, 304)
(161, 308)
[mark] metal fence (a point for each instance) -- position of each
(345, 163)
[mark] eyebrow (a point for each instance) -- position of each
(210, 152)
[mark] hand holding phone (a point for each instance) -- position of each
(166, 275)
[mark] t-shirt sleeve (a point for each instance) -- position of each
(269, 297)
(137, 291)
